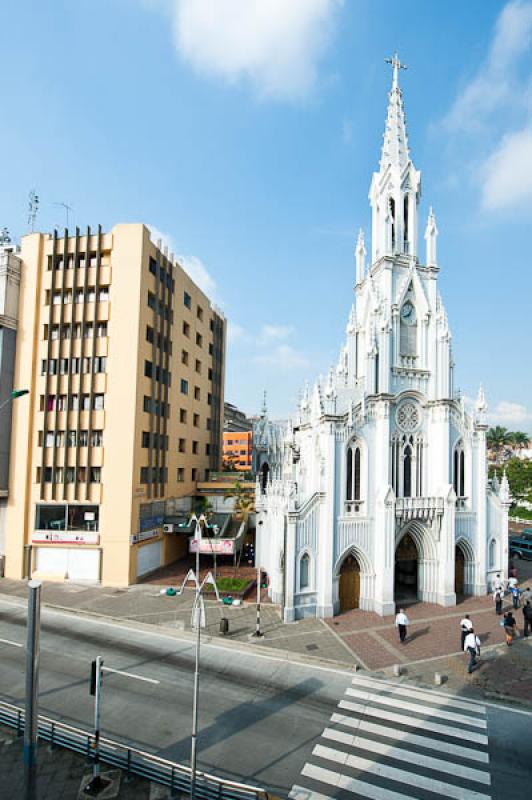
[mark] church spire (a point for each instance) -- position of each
(395, 145)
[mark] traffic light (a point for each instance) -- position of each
(93, 678)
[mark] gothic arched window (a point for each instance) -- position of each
(392, 221)
(354, 473)
(492, 554)
(304, 571)
(407, 472)
(408, 329)
(459, 470)
(405, 221)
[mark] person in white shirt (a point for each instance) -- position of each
(472, 646)
(401, 621)
(465, 626)
(498, 584)
(511, 583)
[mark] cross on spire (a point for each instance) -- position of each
(396, 64)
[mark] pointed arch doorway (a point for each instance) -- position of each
(406, 570)
(459, 570)
(349, 589)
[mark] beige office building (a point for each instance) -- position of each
(124, 358)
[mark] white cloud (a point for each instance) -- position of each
(192, 265)
(510, 415)
(274, 44)
(284, 358)
(494, 84)
(199, 274)
(507, 173)
(275, 332)
(498, 97)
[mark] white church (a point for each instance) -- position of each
(382, 493)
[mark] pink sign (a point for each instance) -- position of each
(219, 546)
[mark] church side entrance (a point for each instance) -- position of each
(406, 570)
(459, 569)
(349, 589)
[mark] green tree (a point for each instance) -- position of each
(496, 438)
(244, 501)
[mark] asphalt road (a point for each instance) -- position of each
(260, 717)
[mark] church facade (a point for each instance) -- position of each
(382, 493)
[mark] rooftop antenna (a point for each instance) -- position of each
(5, 237)
(67, 210)
(33, 207)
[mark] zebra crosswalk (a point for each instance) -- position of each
(393, 742)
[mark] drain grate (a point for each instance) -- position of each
(311, 647)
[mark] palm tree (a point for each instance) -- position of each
(244, 504)
(519, 439)
(496, 438)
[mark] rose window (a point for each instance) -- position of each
(408, 417)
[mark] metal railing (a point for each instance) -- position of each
(131, 760)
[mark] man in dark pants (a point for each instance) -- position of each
(527, 618)
(498, 601)
(465, 626)
(401, 622)
(472, 646)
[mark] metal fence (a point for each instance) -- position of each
(131, 760)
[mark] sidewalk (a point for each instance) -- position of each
(355, 638)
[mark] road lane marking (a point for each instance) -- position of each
(411, 738)
(403, 719)
(417, 708)
(404, 689)
(411, 757)
(352, 784)
(400, 775)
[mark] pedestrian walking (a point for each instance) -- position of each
(527, 618)
(465, 627)
(401, 622)
(498, 584)
(472, 646)
(516, 593)
(512, 583)
(526, 596)
(510, 627)
(497, 596)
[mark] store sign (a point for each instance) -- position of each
(224, 547)
(144, 536)
(65, 537)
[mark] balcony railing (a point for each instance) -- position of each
(426, 508)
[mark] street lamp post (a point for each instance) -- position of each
(198, 616)
(13, 396)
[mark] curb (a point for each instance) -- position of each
(189, 636)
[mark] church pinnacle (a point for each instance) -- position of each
(395, 145)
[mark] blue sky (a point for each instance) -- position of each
(247, 132)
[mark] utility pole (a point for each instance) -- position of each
(31, 720)
(258, 633)
(198, 617)
(97, 784)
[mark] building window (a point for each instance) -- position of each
(70, 474)
(144, 474)
(71, 438)
(459, 470)
(199, 340)
(194, 474)
(492, 554)
(304, 571)
(101, 329)
(149, 334)
(148, 369)
(83, 438)
(186, 329)
(407, 472)
(100, 363)
(145, 439)
(187, 301)
(209, 400)
(184, 357)
(207, 449)
(180, 474)
(95, 474)
(199, 312)
(184, 386)
(103, 294)
(195, 448)
(198, 367)
(210, 374)
(182, 445)
(152, 266)
(196, 420)
(354, 459)
(98, 402)
(182, 415)
(197, 393)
